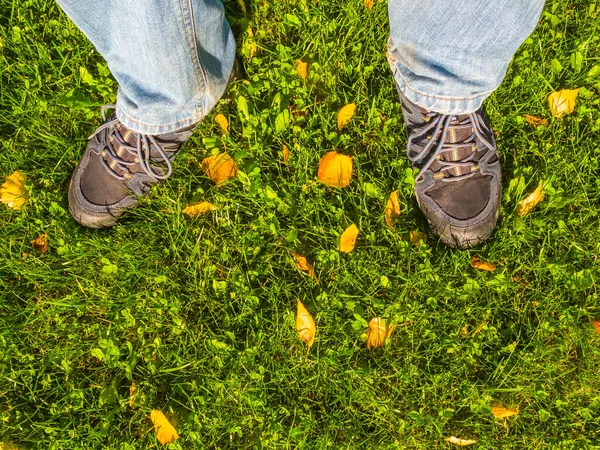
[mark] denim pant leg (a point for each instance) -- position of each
(447, 56)
(171, 58)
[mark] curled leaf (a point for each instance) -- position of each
(304, 265)
(219, 168)
(535, 121)
(305, 325)
(13, 192)
(596, 325)
(392, 209)
(165, 432)
(478, 264)
(563, 102)
(348, 239)
(301, 68)
(500, 412)
(198, 209)
(378, 332)
(286, 154)
(417, 237)
(527, 204)
(460, 442)
(335, 169)
(345, 115)
(222, 122)
(40, 244)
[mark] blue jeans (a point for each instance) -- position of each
(172, 58)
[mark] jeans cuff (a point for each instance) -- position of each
(437, 103)
(166, 124)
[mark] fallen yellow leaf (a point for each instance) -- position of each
(378, 332)
(8, 446)
(305, 325)
(500, 412)
(563, 102)
(392, 209)
(369, 4)
(13, 191)
(132, 395)
(198, 209)
(304, 265)
(596, 325)
(242, 4)
(222, 122)
(165, 432)
(535, 121)
(345, 115)
(286, 154)
(40, 243)
(478, 264)
(249, 46)
(460, 442)
(335, 169)
(417, 237)
(348, 239)
(301, 68)
(219, 168)
(527, 204)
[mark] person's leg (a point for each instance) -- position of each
(447, 56)
(172, 60)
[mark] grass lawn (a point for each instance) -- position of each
(199, 313)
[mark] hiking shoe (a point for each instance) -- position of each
(458, 187)
(119, 167)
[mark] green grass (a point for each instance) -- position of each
(200, 313)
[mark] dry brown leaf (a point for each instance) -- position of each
(305, 325)
(286, 154)
(304, 265)
(460, 442)
(563, 102)
(378, 332)
(335, 169)
(219, 168)
(348, 239)
(40, 244)
(132, 395)
(242, 4)
(165, 432)
(369, 3)
(500, 412)
(222, 122)
(345, 115)
(478, 264)
(596, 325)
(535, 121)
(392, 209)
(301, 68)
(13, 192)
(198, 209)
(417, 237)
(527, 204)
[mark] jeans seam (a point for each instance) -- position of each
(439, 97)
(189, 25)
(191, 119)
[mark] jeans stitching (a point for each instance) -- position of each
(192, 119)
(193, 48)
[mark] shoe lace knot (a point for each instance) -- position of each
(119, 156)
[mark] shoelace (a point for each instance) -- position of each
(141, 151)
(441, 123)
